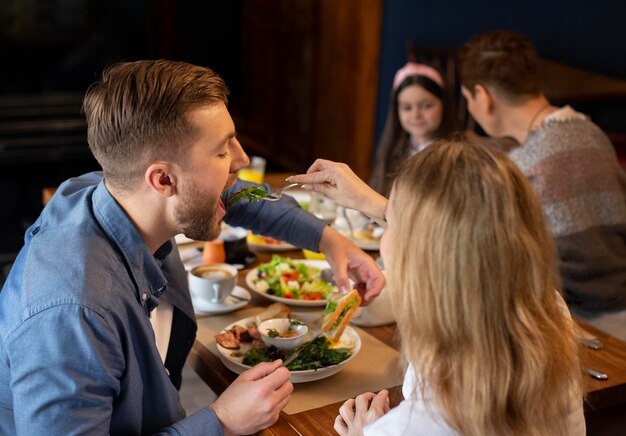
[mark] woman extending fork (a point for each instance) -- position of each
(472, 270)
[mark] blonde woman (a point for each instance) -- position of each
(490, 347)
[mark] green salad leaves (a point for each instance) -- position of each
(250, 194)
(314, 354)
(282, 277)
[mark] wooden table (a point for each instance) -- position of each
(606, 400)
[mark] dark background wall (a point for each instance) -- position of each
(587, 34)
(61, 46)
(52, 50)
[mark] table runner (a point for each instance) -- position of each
(375, 367)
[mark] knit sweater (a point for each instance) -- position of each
(573, 166)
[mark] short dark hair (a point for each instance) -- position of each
(137, 113)
(503, 59)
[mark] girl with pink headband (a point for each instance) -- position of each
(420, 112)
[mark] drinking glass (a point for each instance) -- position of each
(323, 207)
(255, 171)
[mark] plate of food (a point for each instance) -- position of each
(290, 281)
(324, 352)
(368, 238)
(364, 233)
(266, 243)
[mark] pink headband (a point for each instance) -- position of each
(413, 69)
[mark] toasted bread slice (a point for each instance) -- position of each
(336, 320)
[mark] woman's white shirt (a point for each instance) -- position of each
(411, 417)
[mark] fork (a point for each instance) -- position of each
(275, 196)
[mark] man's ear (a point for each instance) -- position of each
(160, 177)
(484, 97)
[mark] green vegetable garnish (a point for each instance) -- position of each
(343, 312)
(330, 307)
(273, 333)
(250, 194)
(314, 354)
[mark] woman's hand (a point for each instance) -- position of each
(350, 262)
(338, 182)
(355, 414)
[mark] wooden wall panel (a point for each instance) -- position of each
(349, 46)
(309, 77)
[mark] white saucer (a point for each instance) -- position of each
(230, 304)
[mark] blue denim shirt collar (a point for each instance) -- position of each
(143, 266)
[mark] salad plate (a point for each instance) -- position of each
(263, 286)
(233, 359)
(265, 243)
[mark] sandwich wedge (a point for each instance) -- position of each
(338, 313)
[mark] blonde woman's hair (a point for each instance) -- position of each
(475, 283)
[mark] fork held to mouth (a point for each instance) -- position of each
(277, 195)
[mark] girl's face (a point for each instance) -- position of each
(420, 113)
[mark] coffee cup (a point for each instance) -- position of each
(235, 244)
(213, 283)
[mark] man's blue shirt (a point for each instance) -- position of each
(77, 350)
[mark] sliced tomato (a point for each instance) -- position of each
(288, 296)
(291, 276)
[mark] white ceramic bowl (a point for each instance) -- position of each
(291, 332)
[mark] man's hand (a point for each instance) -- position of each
(357, 413)
(350, 262)
(254, 400)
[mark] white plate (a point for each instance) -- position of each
(230, 304)
(235, 363)
(190, 256)
(367, 244)
(182, 239)
(282, 246)
(321, 264)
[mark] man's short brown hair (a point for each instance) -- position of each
(505, 60)
(137, 113)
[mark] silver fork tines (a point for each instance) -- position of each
(277, 195)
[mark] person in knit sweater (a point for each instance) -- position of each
(571, 163)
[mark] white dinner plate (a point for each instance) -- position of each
(230, 304)
(182, 239)
(367, 244)
(190, 256)
(234, 363)
(321, 264)
(281, 246)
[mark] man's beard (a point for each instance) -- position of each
(197, 215)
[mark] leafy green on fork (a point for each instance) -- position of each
(251, 193)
